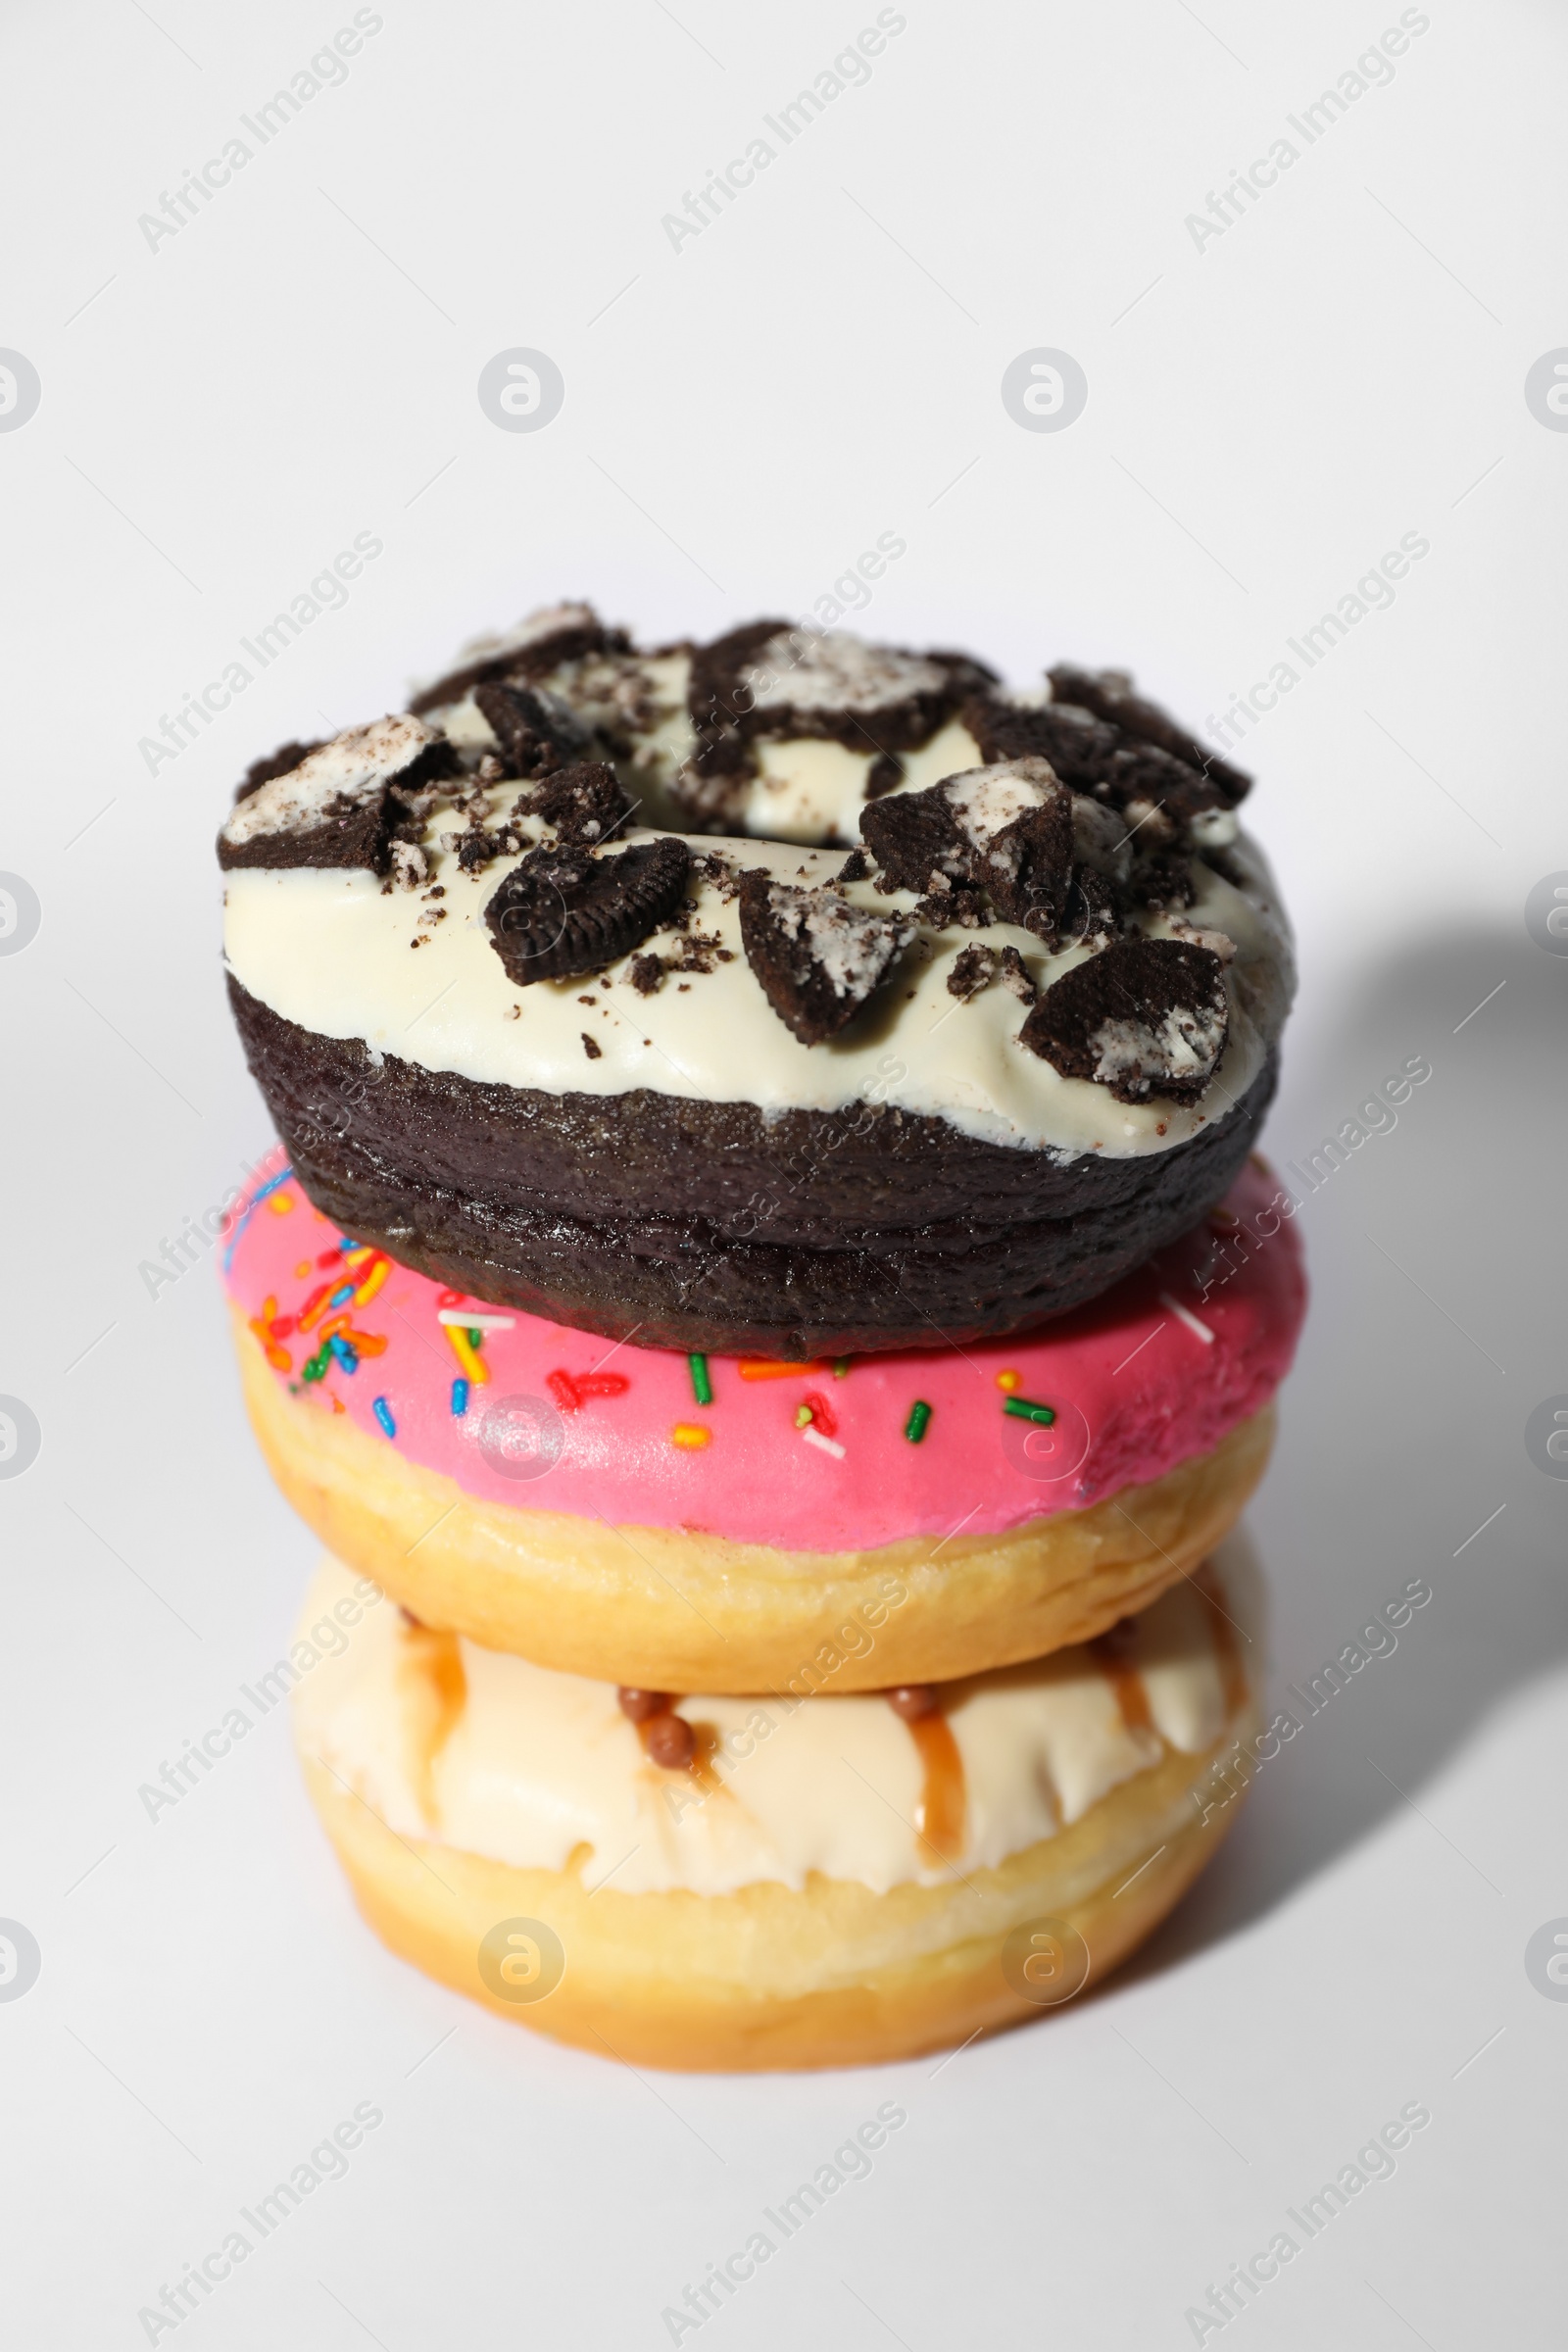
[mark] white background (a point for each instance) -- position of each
(1267, 417)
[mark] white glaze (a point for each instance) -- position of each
(541, 1767)
(331, 950)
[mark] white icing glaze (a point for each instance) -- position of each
(331, 950)
(348, 768)
(540, 1767)
(811, 789)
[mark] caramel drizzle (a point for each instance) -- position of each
(939, 1817)
(1126, 1682)
(1227, 1649)
(437, 1656)
(699, 1764)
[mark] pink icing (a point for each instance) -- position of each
(1135, 1387)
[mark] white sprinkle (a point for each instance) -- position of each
(1184, 1314)
(814, 1437)
(466, 1322)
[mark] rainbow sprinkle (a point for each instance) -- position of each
(372, 1280)
(919, 1421)
(1022, 1409)
(702, 1385)
(459, 1399)
(383, 1413)
(474, 1366)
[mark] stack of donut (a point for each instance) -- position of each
(766, 1293)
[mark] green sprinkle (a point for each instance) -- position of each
(1022, 1410)
(803, 1415)
(841, 1365)
(475, 1338)
(919, 1421)
(702, 1385)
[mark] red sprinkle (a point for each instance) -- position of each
(823, 1417)
(572, 1391)
(452, 1298)
(330, 1257)
(314, 1304)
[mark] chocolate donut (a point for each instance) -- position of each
(728, 1094)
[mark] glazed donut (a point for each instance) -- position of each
(731, 1883)
(730, 1095)
(710, 1523)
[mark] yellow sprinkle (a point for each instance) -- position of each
(281, 1204)
(691, 1434)
(373, 1281)
(473, 1365)
(302, 1269)
(1008, 1380)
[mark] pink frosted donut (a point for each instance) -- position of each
(719, 1522)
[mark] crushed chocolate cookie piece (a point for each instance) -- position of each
(585, 803)
(816, 958)
(1017, 976)
(538, 733)
(1091, 756)
(345, 803)
(646, 973)
(885, 774)
(594, 1053)
(942, 908)
(1218, 943)
(1091, 915)
(855, 868)
(1162, 879)
(565, 910)
(720, 875)
(477, 849)
(532, 650)
(771, 680)
(1006, 829)
(408, 866)
(1108, 695)
(1150, 1016)
(1101, 838)
(281, 762)
(700, 951)
(973, 969)
(913, 837)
